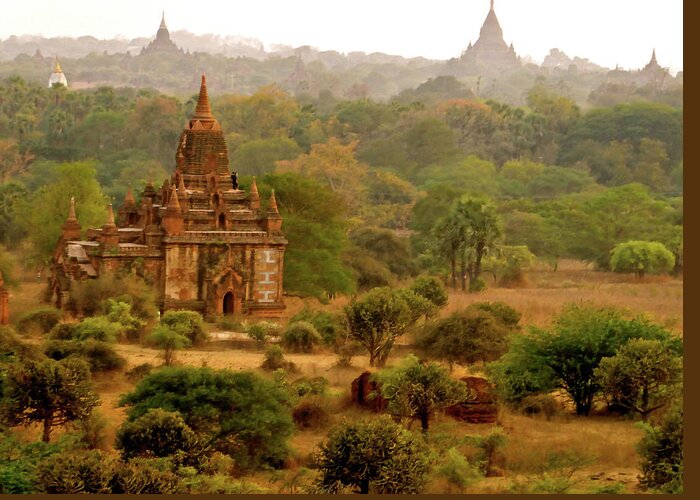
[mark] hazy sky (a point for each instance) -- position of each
(607, 32)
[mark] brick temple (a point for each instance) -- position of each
(205, 244)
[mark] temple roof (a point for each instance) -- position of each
(203, 109)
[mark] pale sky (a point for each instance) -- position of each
(608, 32)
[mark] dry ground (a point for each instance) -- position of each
(607, 441)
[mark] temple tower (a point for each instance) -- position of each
(57, 76)
(490, 51)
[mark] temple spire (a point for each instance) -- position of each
(203, 109)
(162, 22)
(57, 66)
(173, 203)
(653, 57)
(110, 216)
(491, 4)
(71, 211)
(129, 198)
(272, 207)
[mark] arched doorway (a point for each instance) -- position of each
(228, 303)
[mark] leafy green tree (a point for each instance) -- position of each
(567, 355)
(417, 389)
(42, 215)
(373, 456)
(170, 340)
(643, 376)
(429, 141)
(539, 234)
(237, 413)
(187, 323)
(641, 257)
(157, 433)
(315, 225)
(430, 288)
(501, 311)
(77, 472)
(259, 156)
(507, 263)
(376, 320)
(53, 393)
(661, 451)
(301, 336)
(387, 248)
(466, 337)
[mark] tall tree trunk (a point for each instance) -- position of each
(364, 486)
(48, 422)
(453, 264)
(463, 273)
(424, 422)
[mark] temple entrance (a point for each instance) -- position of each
(228, 303)
(222, 222)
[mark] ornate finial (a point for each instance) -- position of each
(57, 66)
(653, 57)
(203, 109)
(254, 190)
(491, 4)
(129, 198)
(162, 22)
(110, 216)
(272, 207)
(181, 185)
(173, 203)
(71, 210)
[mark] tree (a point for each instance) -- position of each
(237, 413)
(53, 393)
(643, 376)
(467, 233)
(661, 451)
(187, 323)
(157, 433)
(376, 320)
(169, 339)
(418, 389)
(430, 288)
(567, 355)
(641, 257)
(376, 456)
(466, 337)
(507, 262)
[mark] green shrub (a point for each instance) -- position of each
(230, 324)
(661, 452)
(641, 257)
(139, 371)
(222, 484)
(146, 476)
(188, 323)
(274, 359)
(76, 472)
(301, 336)
(90, 297)
(39, 320)
(13, 349)
(329, 326)
(63, 331)
(430, 288)
(120, 313)
(158, 433)
(500, 310)
(170, 340)
(540, 404)
(261, 330)
(457, 471)
(101, 356)
(310, 386)
(98, 328)
(92, 431)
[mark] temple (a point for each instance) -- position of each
(490, 52)
(205, 244)
(57, 77)
(162, 42)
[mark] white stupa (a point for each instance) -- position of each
(57, 75)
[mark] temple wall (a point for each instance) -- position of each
(267, 280)
(181, 282)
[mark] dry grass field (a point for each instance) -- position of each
(605, 443)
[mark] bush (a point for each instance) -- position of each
(329, 326)
(13, 349)
(76, 472)
(301, 336)
(188, 323)
(641, 257)
(63, 331)
(310, 386)
(99, 355)
(170, 340)
(92, 431)
(146, 476)
(310, 415)
(661, 452)
(158, 433)
(39, 321)
(457, 471)
(540, 404)
(98, 328)
(430, 288)
(90, 297)
(222, 484)
(500, 310)
(274, 360)
(139, 371)
(261, 330)
(120, 313)
(230, 324)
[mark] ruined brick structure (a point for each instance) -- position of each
(483, 409)
(205, 244)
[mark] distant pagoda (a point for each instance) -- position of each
(491, 52)
(162, 42)
(57, 76)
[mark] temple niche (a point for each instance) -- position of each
(206, 244)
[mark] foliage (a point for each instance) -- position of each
(78, 472)
(274, 359)
(643, 375)
(39, 320)
(170, 340)
(101, 356)
(501, 311)
(99, 328)
(374, 456)
(146, 476)
(121, 313)
(91, 430)
(139, 371)
(12, 348)
(310, 386)
(241, 413)
(661, 451)
(330, 326)
(91, 297)
(508, 262)
(417, 389)
(466, 337)
(310, 414)
(301, 336)
(568, 354)
(261, 330)
(540, 404)
(641, 257)
(8, 263)
(376, 320)
(157, 433)
(457, 471)
(53, 393)
(430, 288)
(187, 323)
